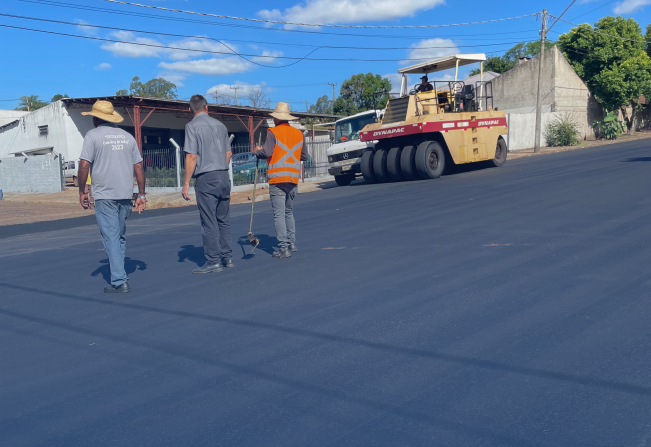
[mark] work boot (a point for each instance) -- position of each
(281, 253)
(208, 268)
(122, 288)
(228, 263)
(292, 248)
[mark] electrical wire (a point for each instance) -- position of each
(232, 53)
(278, 22)
(258, 28)
(559, 17)
(601, 32)
(593, 10)
(252, 41)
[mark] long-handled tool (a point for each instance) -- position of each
(254, 241)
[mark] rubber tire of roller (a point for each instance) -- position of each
(407, 163)
(422, 160)
(380, 166)
(366, 166)
(501, 146)
(393, 165)
(344, 180)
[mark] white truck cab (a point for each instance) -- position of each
(345, 155)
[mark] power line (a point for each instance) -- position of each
(559, 17)
(593, 10)
(278, 22)
(251, 41)
(258, 28)
(600, 32)
(232, 53)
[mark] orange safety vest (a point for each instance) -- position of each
(285, 163)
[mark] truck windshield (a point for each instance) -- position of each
(347, 130)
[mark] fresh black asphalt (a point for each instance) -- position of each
(493, 307)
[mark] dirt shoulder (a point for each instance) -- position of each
(19, 208)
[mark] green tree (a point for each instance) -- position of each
(358, 94)
(30, 103)
(322, 105)
(58, 97)
(154, 88)
(612, 61)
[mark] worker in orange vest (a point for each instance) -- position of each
(284, 149)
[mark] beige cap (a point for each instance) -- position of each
(104, 111)
(281, 112)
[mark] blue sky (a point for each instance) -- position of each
(44, 64)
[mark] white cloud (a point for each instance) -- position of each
(104, 66)
(174, 78)
(120, 49)
(242, 91)
(395, 79)
(630, 6)
(88, 30)
(213, 67)
(347, 11)
(431, 49)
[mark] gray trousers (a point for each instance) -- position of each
(213, 190)
(282, 203)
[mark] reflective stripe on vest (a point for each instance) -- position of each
(285, 163)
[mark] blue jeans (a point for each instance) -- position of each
(111, 218)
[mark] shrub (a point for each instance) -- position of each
(609, 128)
(562, 131)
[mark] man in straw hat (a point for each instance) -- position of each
(284, 149)
(111, 154)
(208, 153)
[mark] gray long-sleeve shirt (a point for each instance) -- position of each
(269, 145)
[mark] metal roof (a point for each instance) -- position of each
(183, 106)
(444, 63)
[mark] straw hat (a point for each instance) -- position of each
(104, 111)
(281, 112)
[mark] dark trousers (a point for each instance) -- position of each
(213, 190)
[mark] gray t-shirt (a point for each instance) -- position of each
(112, 153)
(207, 138)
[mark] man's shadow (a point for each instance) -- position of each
(192, 254)
(266, 245)
(130, 265)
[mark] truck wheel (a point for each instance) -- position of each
(344, 180)
(500, 154)
(393, 164)
(380, 166)
(429, 160)
(366, 166)
(407, 163)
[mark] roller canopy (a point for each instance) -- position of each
(444, 63)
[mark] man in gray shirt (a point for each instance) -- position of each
(111, 154)
(208, 154)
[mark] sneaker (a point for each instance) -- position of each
(208, 268)
(292, 248)
(122, 288)
(228, 263)
(282, 253)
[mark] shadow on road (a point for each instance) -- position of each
(192, 254)
(632, 160)
(130, 265)
(267, 244)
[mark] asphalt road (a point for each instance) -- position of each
(495, 307)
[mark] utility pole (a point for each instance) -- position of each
(307, 109)
(236, 88)
(333, 96)
(536, 147)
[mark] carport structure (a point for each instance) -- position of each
(139, 110)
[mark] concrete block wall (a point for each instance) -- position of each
(37, 174)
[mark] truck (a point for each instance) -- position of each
(434, 125)
(345, 155)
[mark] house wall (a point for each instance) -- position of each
(7, 116)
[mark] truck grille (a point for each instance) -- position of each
(396, 110)
(352, 155)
